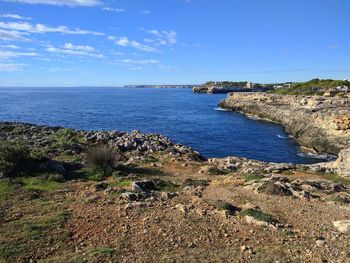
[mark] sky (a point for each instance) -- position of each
(113, 43)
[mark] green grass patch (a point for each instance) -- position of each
(191, 182)
(151, 159)
(40, 184)
(102, 251)
(141, 171)
(224, 206)
(123, 183)
(253, 177)
(27, 233)
(213, 170)
(6, 189)
(258, 215)
(167, 186)
(335, 177)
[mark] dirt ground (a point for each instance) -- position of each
(75, 221)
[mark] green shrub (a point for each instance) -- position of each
(213, 170)
(64, 139)
(95, 173)
(14, 158)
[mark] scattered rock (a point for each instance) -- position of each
(143, 186)
(342, 226)
(129, 196)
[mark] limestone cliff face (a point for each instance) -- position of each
(320, 123)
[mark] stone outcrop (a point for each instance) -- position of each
(215, 89)
(134, 143)
(319, 123)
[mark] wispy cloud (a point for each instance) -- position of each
(81, 51)
(12, 35)
(10, 54)
(164, 37)
(10, 46)
(140, 62)
(125, 42)
(59, 2)
(112, 9)
(11, 67)
(15, 16)
(146, 12)
(333, 46)
(41, 29)
(79, 48)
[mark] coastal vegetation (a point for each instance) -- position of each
(311, 87)
(226, 84)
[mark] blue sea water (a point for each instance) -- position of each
(184, 117)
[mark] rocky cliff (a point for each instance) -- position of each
(319, 123)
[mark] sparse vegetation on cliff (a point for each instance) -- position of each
(312, 87)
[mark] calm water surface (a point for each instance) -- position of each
(187, 118)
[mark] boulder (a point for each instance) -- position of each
(143, 186)
(342, 164)
(128, 196)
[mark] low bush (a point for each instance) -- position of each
(258, 215)
(64, 139)
(224, 206)
(213, 170)
(15, 159)
(101, 161)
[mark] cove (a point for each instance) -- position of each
(184, 117)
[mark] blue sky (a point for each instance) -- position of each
(111, 43)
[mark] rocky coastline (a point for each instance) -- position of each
(319, 123)
(158, 200)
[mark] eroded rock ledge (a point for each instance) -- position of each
(319, 123)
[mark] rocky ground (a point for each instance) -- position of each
(163, 202)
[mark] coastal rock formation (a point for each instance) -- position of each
(132, 143)
(214, 89)
(319, 123)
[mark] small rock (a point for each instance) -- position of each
(342, 226)
(129, 196)
(320, 242)
(182, 208)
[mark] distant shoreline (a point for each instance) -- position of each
(160, 86)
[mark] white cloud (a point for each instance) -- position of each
(146, 12)
(10, 46)
(10, 67)
(59, 2)
(10, 54)
(11, 35)
(164, 37)
(79, 48)
(125, 42)
(111, 9)
(70, 49)
(41, 28)
(140, 62)
(15, 16)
